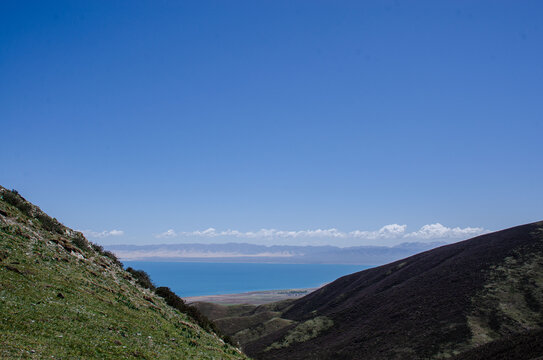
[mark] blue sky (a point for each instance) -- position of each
(144, 117)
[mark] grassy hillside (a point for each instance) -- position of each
(60, 297)
(486, 291)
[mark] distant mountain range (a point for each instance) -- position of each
(241, 252)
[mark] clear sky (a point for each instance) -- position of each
(131, 118)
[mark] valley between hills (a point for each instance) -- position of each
(64, 297)
(477, 299)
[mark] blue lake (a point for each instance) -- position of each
(195, 279)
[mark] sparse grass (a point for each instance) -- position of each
(260, 330)
(62, 303)
(511, 301)
(216, 311)
(302, 332)
(233, 324)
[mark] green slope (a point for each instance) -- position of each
(61, 298)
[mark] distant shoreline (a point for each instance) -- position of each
(253, 297)
(273, 254)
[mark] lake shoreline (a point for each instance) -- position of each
(252, 297)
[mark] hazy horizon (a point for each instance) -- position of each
(389, 235)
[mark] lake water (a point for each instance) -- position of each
(196, 279)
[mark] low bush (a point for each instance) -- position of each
(142, 278)
(13, 198)
(50, 224)
(171, 298)
(79, 240)
(100, 249)
(113, 257)
(97, 248)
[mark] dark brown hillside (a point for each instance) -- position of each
(432, 305)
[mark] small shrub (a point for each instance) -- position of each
(97, 248)
(80, 241)
(171, 298)
(100, 249)
(113, 257)
(13, 198)
(227, 339)
(50, 224)
(142, 278)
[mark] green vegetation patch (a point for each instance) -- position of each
(512, 300)
(258, 331)
(305, 331)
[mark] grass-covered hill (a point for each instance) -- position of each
(62, 297)
(477, 299)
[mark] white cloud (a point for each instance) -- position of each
(167, 234)
(391, 231)
(102, 234)
(265, 233)
(438, 231)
